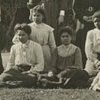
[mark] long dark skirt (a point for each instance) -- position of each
(15, 78)
(77, 79)
(71, 78)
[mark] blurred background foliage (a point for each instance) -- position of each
(12, 12)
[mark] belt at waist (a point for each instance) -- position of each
(23, 67)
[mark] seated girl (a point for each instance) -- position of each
(25, 62)
(67, 63)
(92, 47)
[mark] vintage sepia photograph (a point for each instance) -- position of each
(49, 49)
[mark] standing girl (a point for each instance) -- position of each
(42, 34)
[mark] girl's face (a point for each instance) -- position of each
(37, 17)
(96, 22)
(23, 37)
(66, 38)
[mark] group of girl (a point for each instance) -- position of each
(35, 61)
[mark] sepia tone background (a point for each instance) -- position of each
(16, 11)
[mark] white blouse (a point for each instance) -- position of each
(42, 34)
(29, 53)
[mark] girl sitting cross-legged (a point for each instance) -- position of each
(67, 64)
(25, 61)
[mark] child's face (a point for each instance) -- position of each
(96, 22)
(37, 17)
(66, 38)
(23, 37)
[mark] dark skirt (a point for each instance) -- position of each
(16, 78)
(77, 79)
(71, 78)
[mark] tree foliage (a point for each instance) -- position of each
(8, 14)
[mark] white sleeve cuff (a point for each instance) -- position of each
(62, 12)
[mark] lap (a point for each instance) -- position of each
(14, 75)
(70, 78)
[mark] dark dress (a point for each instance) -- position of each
(84, 8)
(68, 64)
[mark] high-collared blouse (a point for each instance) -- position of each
(67, 57)
(42, 34)
(29, 53)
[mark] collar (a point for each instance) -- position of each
(66, 46)
(37, 25)
(25, 45)
(65, 51)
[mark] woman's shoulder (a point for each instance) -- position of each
(95, 30)
(93, 33)
(30, 24)
(35, 44)
(48, 27)
(70, 50)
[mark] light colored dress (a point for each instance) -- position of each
(43, 34)
(66, 57)
(92, 48)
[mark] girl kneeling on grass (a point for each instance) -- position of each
(25, 62)
(67, 63)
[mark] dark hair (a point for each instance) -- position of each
(67, 29)
(96, 15)
(40, 9)
(26, 28)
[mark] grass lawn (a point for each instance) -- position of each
(45, 94)
(48, 94)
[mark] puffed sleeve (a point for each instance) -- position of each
(51, 40)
